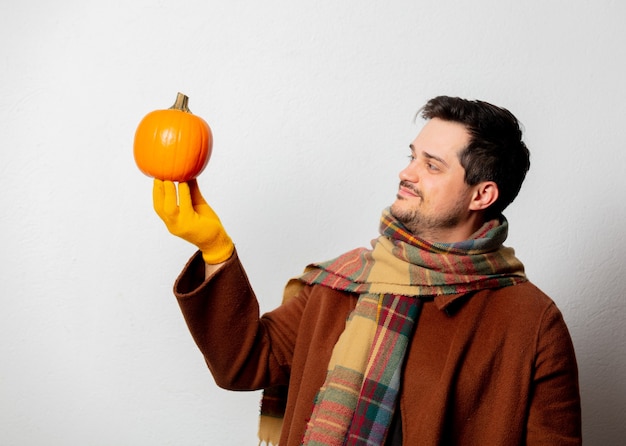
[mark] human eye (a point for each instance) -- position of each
(432, 166)
(411, 155)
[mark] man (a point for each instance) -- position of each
(434, 336)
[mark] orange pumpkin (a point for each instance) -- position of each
(173, 144)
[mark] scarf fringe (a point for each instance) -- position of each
(269, 430)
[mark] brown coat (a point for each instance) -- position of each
(493, 368)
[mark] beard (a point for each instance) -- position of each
(418, 221)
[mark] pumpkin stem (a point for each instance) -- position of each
(181, 103)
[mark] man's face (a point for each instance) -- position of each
(433, 199)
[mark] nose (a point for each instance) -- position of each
(409, 173)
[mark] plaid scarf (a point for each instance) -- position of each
(355, 404)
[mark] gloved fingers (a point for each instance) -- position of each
(170, 200)
(196, 195)
(184, 199)
(158, 196)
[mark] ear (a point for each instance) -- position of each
(485, 194)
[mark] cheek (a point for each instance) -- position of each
(442, 197)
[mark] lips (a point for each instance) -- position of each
(407, 190)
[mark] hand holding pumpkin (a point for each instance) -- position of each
(188, 216)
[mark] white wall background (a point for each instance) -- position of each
(311, 105)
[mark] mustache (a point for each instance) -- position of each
(409, 186)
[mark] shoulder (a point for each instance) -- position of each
(317, 304)
(523, 309)
(321, 298)
(525, 297)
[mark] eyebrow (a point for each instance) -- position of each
(430, 156)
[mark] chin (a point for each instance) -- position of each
(399, 207)
(400, 212)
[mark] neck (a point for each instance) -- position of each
(460, 232)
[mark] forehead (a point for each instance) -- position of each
(442, 138)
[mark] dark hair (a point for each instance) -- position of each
(495, 152)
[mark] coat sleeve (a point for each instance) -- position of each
(242, 350)
(555, 412)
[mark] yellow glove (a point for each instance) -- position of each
(189, 217)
